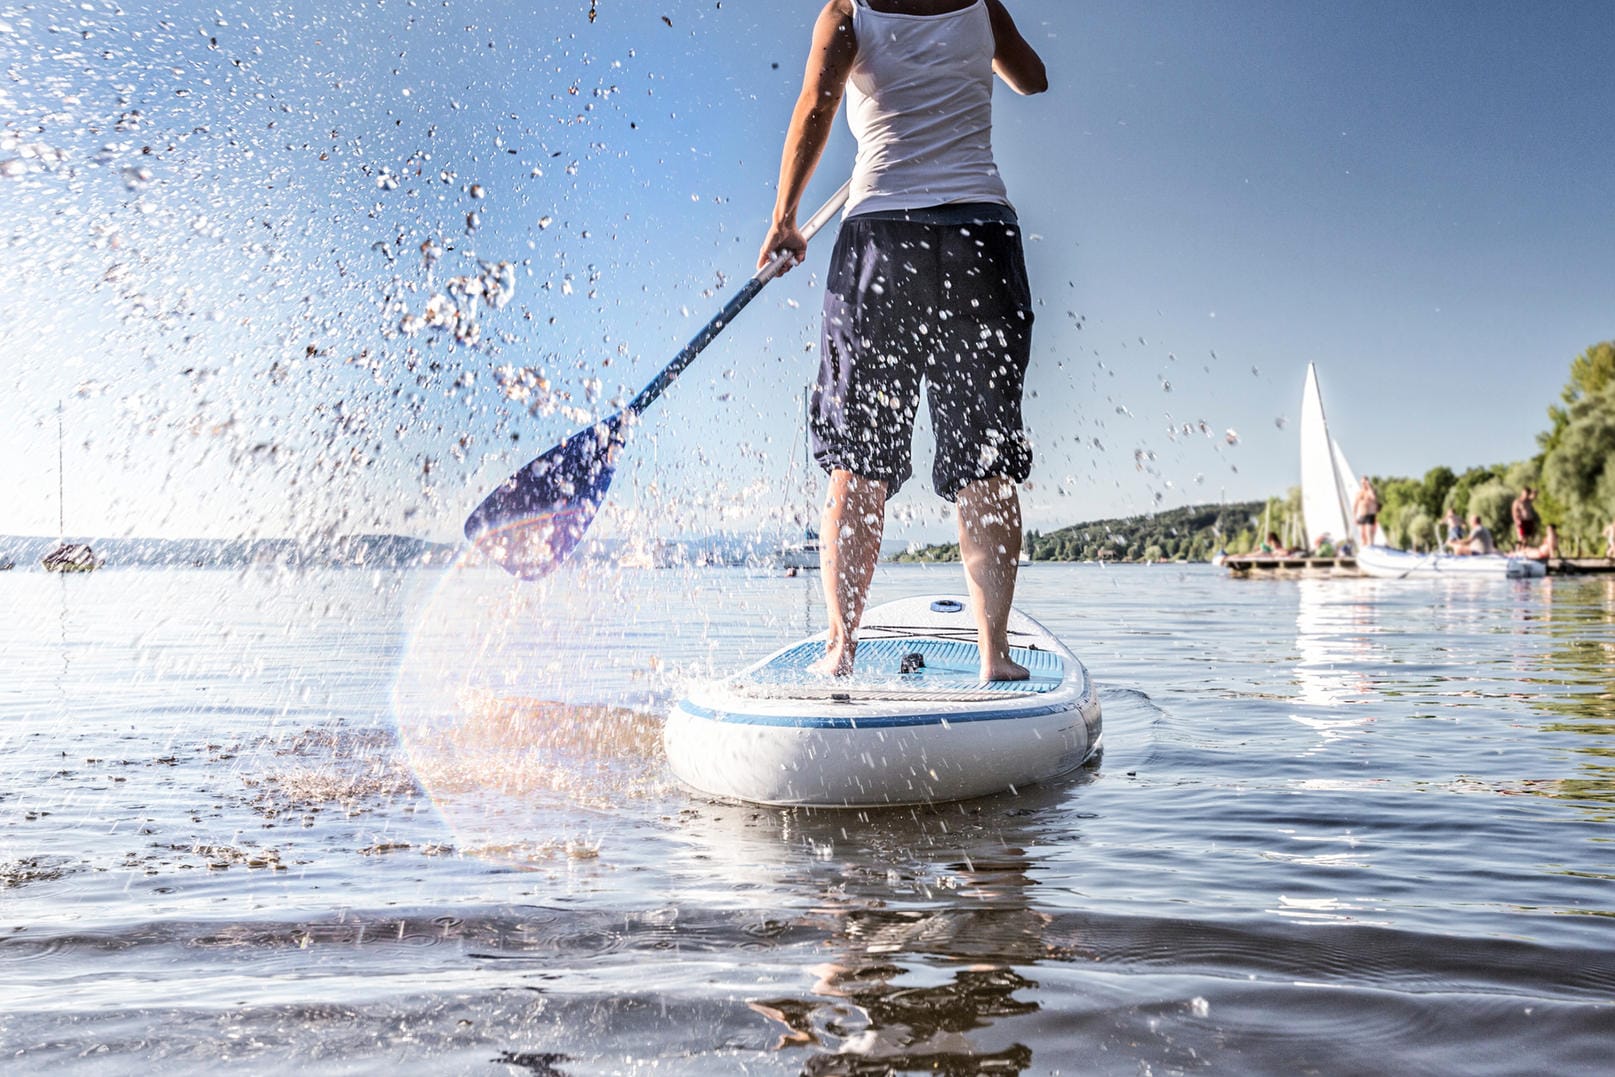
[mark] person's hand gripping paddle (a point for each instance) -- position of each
(533, 519)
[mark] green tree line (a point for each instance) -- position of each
(1574, 474)
(1187, 534)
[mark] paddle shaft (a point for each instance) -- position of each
(732, 309)
(531, 521)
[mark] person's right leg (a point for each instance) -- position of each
(990, 548)
(976, 378)
(849, 545)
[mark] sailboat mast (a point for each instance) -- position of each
(61, 479)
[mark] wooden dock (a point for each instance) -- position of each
(1581, 566)
(1245, 565)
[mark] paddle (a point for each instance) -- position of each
(533, 519)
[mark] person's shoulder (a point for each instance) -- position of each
(842, 8)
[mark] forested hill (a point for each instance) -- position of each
(1192, 534)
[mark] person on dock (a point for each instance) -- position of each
(1272, 547)
(1478, 542)
(1524, 516)
(1609, 540)
(1365, 507)
(1547, 551)
(1455, 528)
(927, 283)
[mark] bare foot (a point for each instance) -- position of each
(837, 660)
(1003, 669)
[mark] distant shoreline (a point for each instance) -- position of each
(1191, 534)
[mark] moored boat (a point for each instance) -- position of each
(67, 556)
(71, 557)
(800, 555)
(1326, 485)
(1392, 564)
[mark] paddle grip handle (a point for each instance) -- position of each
(781, 258)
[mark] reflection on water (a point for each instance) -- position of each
(1334, 644)
(1574, 679)
(899, 987)
(882, 1028)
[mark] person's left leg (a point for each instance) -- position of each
(990, 548)
(849, 545)
(862, 411)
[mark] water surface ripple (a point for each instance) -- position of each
(350, 821)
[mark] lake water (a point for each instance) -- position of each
(420, 822)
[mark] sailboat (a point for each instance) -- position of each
(1328, 486)
(1327, 481)
(67, 556)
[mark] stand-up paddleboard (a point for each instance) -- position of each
(912, 724)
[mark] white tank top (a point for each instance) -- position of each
(920, 103)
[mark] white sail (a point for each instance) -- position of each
(1327, 485)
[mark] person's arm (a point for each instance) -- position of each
(823, 84)
(1015, 61)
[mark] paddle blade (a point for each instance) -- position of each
(532, 520)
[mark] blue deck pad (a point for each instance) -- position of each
(950, 666)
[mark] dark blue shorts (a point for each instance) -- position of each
(947, 304)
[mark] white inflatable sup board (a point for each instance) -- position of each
(912, 724)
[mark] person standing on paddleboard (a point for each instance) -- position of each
(927, 283)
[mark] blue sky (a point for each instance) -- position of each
(213, 218)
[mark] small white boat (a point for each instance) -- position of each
(801, 555)
(71, 557)
(1390, 564)
(912, 724)
(1327, 486)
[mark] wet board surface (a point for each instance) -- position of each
(944, 670)
(912, 654)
